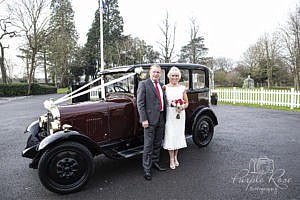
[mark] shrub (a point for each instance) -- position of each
(20, 89)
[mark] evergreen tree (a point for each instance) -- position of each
(118, 49)
(195, 50)
(112, 36)
(135, 50)
(63, 40)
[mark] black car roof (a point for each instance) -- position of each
(130, 68)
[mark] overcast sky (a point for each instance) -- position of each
(229, 27)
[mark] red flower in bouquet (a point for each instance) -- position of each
(179, 105)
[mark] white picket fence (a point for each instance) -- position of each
(94, 94)
(261, 96)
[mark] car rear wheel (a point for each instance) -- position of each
(203, 130)
(66, 167)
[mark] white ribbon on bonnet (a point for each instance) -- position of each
(50, 104)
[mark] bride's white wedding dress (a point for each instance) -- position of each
(174, 129)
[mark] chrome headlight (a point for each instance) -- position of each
(42, 120)
(55, 126)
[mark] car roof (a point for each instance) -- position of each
(130, 68)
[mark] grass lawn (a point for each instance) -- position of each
(62, 90)
(264, 106)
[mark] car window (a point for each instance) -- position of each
(185, 78)
(198, 79)
(126, 86)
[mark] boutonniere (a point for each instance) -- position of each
(164, 88)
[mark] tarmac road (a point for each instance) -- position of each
(264, 142)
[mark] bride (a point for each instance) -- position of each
(175, 120)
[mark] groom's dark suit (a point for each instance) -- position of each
(148, 105)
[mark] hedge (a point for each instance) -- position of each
(20, 89)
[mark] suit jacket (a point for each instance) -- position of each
(148, 103)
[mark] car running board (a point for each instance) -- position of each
(137, 150)
(131, 152)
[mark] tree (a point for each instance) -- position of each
(28, 17)
(134, 50)
(222, 71)
(264, 60)
(76, 68)
(5, 25)
(44, 54)
(220, 77)
(168, 43)
(195, 50)
(118, 48)
(63, 38)
(222, 63)
(151, 56)
(234, 78)
(291, 40)
(112, 39)
(270, 56)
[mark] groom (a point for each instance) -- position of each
(151, 102)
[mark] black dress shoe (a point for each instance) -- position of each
(148, 176)
(159, 168)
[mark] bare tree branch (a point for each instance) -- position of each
(291, 38)
(167, 47)
(28, 17)
(5, 26)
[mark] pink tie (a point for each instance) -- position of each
(158, 94)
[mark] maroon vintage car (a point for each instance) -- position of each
(63, 142)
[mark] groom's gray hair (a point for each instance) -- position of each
(155, 65)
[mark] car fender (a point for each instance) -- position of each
(33, 140)
(33, 129)
(204, 111)
(62, 136)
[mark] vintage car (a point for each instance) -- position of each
(64, 141)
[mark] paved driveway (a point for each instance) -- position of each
(255, 154)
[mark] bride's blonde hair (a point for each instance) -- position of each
(174, 70)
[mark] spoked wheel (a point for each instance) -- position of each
(203, 130)
(66, 168)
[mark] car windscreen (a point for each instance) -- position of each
(125, 86)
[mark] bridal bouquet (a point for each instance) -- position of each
(179, 105)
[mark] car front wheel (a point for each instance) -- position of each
(66, 167)
(203, 130)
